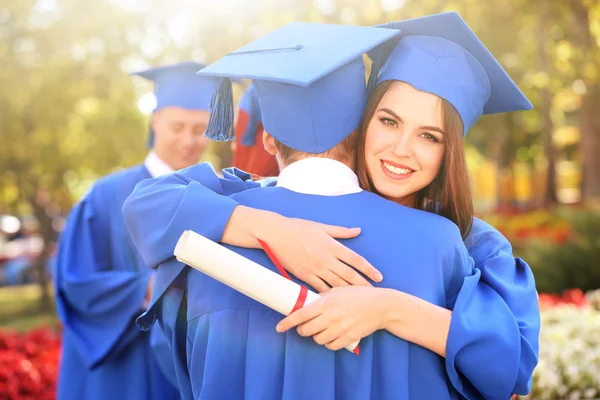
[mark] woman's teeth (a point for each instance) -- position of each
(396, 170)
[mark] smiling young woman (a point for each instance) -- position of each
(411, 152)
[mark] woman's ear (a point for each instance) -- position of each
(269, 143)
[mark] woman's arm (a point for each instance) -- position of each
(346, 314)
(490, 339)
(159, 210)
(195, 198)
(505, 293)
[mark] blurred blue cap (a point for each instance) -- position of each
(309, 79)
(440, 54)
(178, 85)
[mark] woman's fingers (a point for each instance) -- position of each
(316, 283)
(348, 274)
(338, 343)
(334, 279)
(312, 327)
(301, 316)
(327, 336)
(358, 262)
(340, 232)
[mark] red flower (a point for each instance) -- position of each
(29, 364)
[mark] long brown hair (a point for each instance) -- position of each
(449, 194)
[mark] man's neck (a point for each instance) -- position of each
(156, 166)
(319, 176)
(349, 164)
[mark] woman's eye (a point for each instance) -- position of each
(430, 137)
(388, 121)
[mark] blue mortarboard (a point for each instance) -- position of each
(440, 54)
(309, 80)
(178, 85)
(249, 104)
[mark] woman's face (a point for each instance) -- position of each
(404, 142)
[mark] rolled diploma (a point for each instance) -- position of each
(242, 274)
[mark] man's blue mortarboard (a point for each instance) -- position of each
(440, 54)
(178, 85)
(309, 79)
(249, 104)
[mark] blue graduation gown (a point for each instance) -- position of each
(501, 285)
(101, 283)
(231, 332)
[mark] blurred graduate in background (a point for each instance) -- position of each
(102, 283)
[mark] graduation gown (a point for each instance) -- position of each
(501, 285)
(101, 284)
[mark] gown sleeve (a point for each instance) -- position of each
(492, 346)
(159, 210)
(96, 301)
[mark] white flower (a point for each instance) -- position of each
(569, 364)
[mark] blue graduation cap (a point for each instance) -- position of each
(178, 85)
(440, 54)
(309, 79)
(249, 104)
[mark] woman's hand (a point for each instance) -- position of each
(346, 314)
(342, 316)
(307, 249)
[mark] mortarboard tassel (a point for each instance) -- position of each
(220, 124)
(150, 142)
(372, 82)
(249, 137)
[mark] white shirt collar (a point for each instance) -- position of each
(156, 166)
(319, 176)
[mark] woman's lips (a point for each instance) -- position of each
(396, 171)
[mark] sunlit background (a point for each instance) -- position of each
(70, 113)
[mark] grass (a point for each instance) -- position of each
(19, 308)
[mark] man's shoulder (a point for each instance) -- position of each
(118, 183)
(135, 173)
(367, 203)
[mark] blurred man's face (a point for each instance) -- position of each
(179, 135)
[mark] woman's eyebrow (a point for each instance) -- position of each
(427, 128)
(393, 114)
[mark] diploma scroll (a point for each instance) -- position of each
(243, 275)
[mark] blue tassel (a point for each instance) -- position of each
(220, 124)
(249, 137)
(372, 82)
(150, 142)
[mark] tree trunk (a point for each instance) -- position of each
(550, 198)
(590, 143)
(589, 121)
(49, 236)
(503, 156)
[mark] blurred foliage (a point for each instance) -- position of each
(18, 308)
(562, 246)
(574, 264)
(69, 108)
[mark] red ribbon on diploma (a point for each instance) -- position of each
(303, 290)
